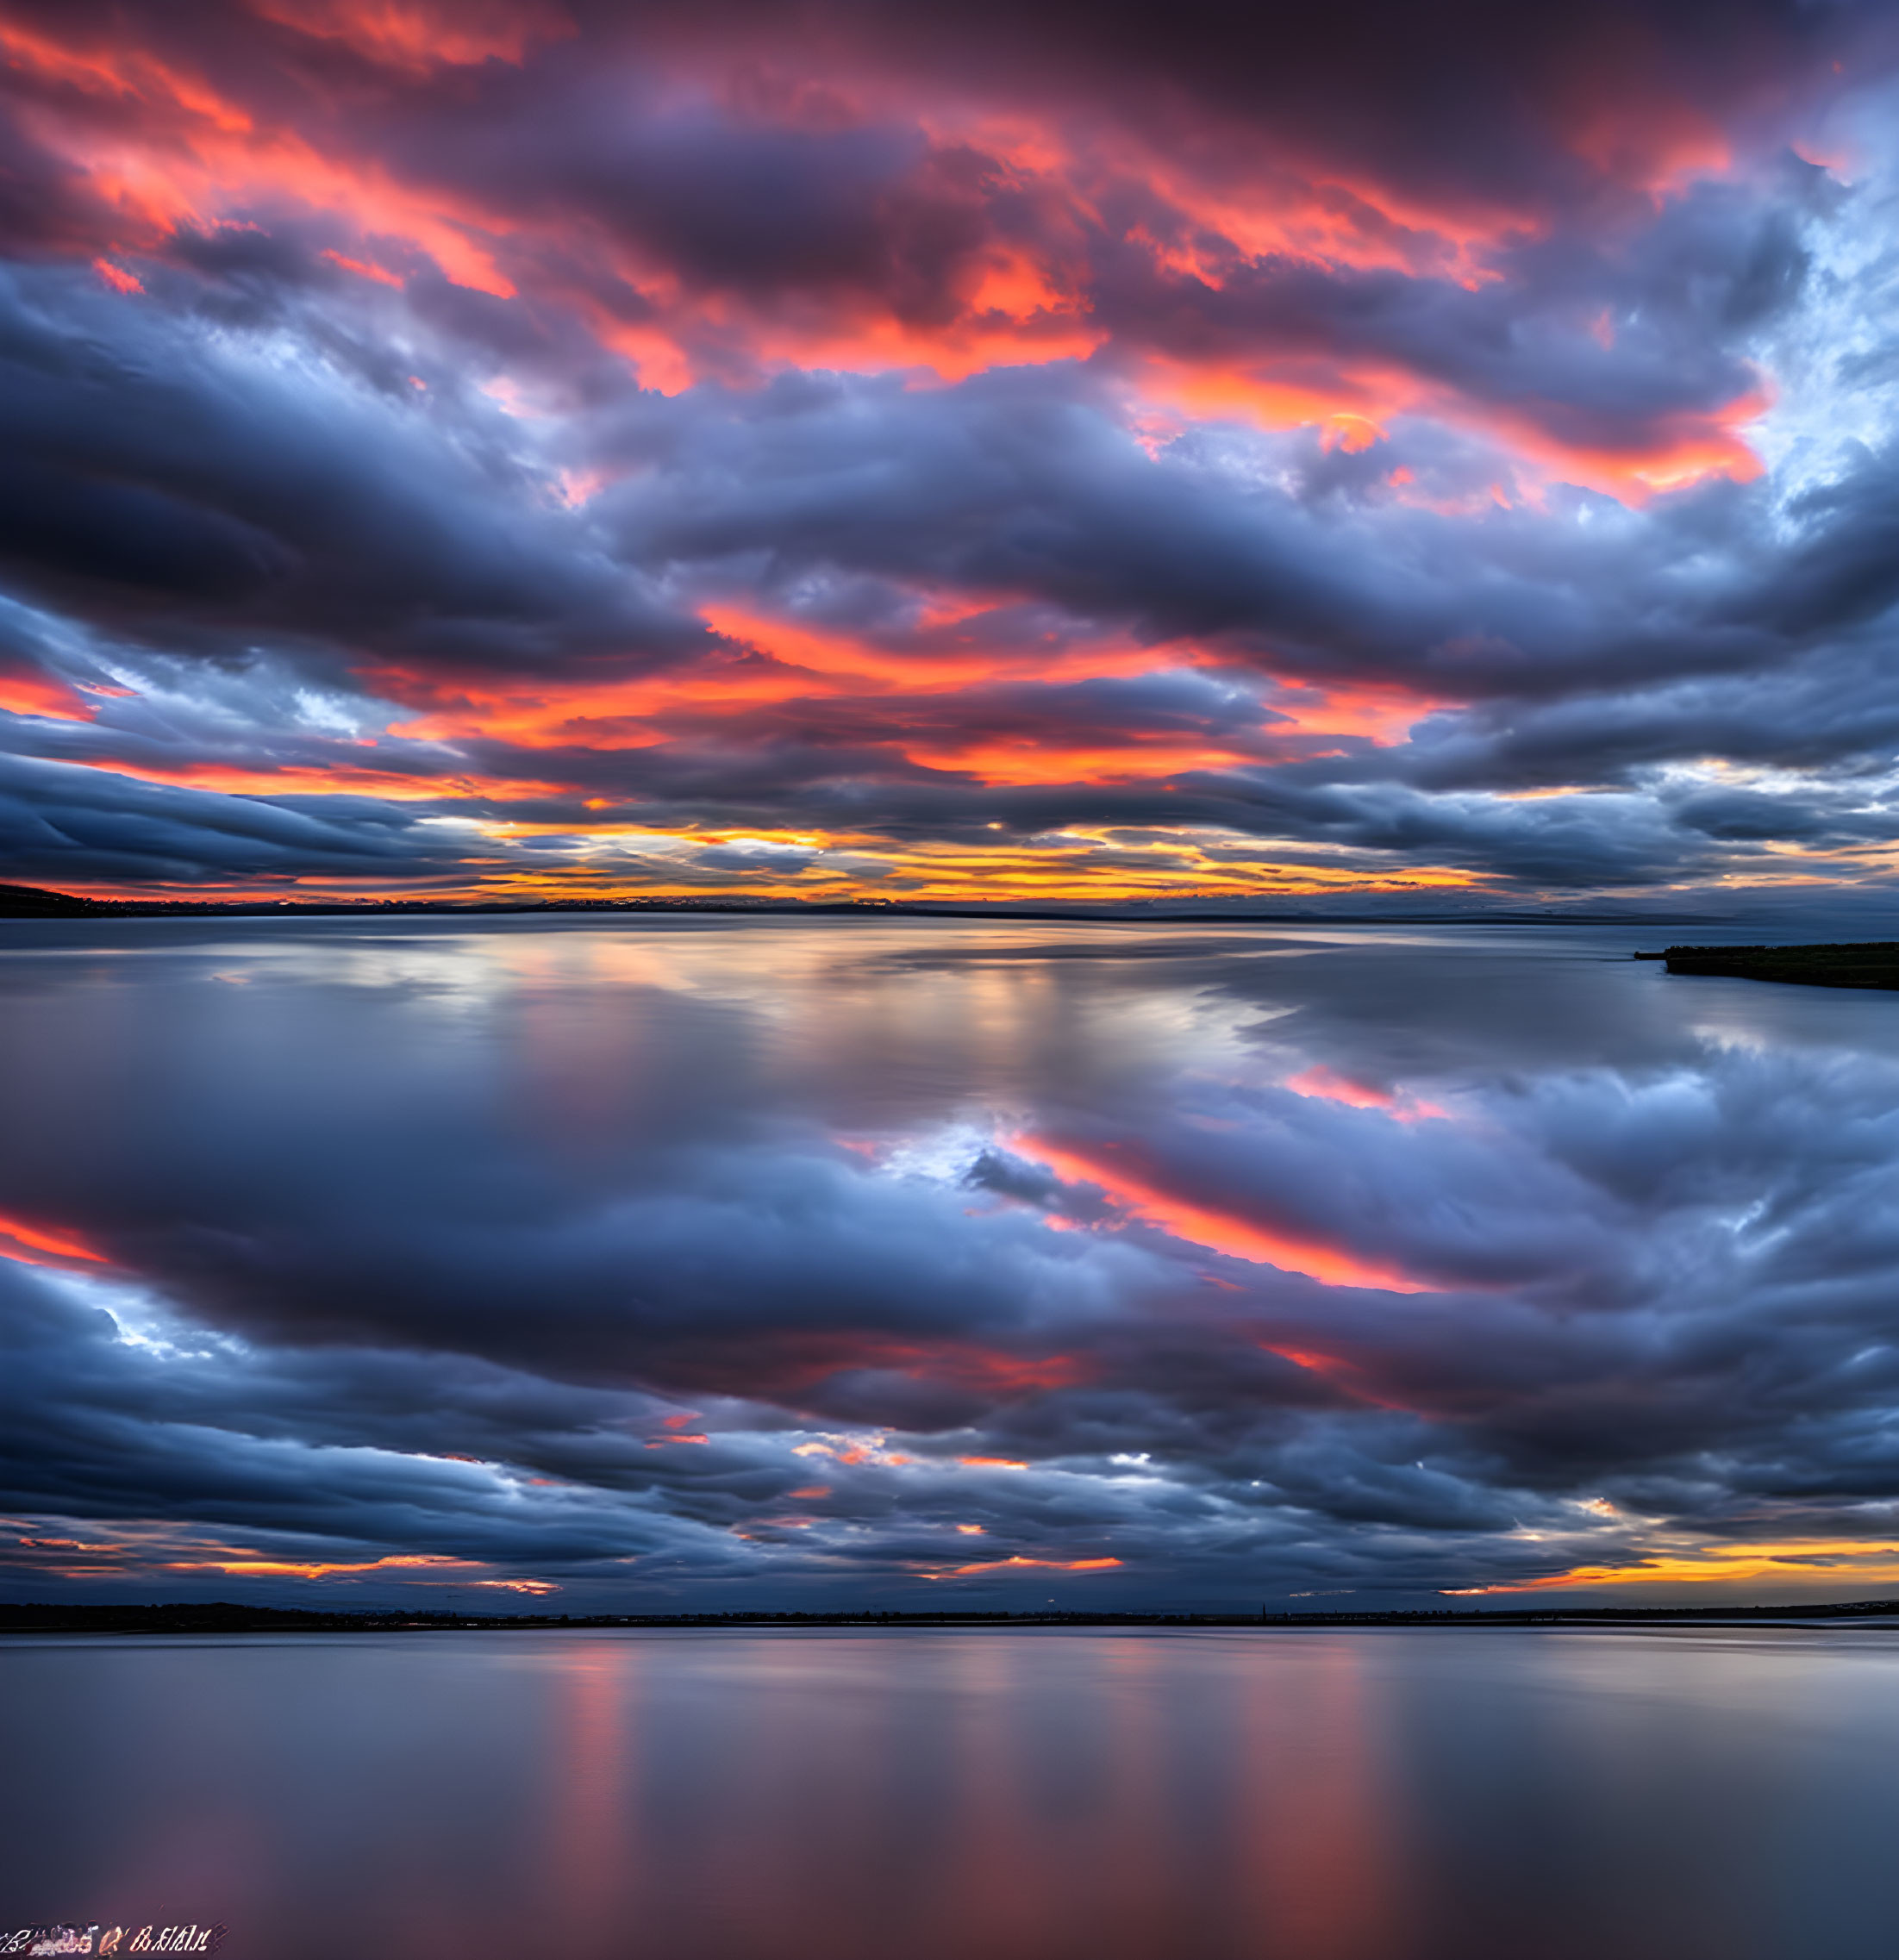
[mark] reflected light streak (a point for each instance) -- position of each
(52, 1248)
(1145, 1204)
(1337, 1368)
(1318, 1852)
(1328, 1085)
(592, 1843)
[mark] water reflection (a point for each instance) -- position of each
(1393, 1796)
(1291, 1264)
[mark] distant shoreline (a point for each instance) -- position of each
(222, 1617)
(34, 902)
(1871, 965)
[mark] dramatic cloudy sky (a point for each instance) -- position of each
(946, 451)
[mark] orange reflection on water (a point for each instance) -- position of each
(1315, 1845)
(593, 1840)
(1202, 1225)
(1332, 1087)
(35, 1245)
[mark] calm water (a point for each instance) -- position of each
(1391, 1795)
(684, 1263)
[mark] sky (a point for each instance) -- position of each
(545, 447)
(675, 1263)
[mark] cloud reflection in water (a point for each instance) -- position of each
(708, 1263)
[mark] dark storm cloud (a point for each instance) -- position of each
(198, 494)
(60, 823)
(1465, 98)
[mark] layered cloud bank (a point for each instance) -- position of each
(936, 453)
(683, 1265)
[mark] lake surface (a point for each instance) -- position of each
(1386, 1795)
(675, 1262)
(687, 1264)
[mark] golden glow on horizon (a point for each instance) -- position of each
(1831, 1561)
(256, 1566)
(623, 861)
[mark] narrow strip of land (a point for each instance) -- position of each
(1869, 964)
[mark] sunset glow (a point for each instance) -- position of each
(630, 438)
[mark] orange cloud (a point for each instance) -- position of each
(421, 34)
(362, 269)
(1676, 450)
(183, 151)
(1384, 713)
(183, 155)
(1024, 1564)
(1025, 761)
(25, 691)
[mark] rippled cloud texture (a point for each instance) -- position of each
(545, 446)
(683, 1264)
